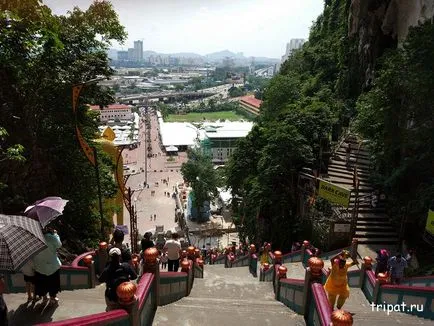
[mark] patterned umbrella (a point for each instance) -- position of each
(46, 210)
(21, 238)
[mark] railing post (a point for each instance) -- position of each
(281, 274)
(313, 274)
(366, 265)
(304, 246)
(151, 265)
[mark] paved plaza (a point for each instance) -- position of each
(154, 200)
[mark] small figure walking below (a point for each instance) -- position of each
(348, 155)
(155, 217)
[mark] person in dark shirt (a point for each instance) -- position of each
(146, 241)
(117, 242)
(113, 275)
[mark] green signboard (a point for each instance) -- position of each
(430, 223)
(333, 193)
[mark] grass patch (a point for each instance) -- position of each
(201, 116)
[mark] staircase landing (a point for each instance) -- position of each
(72, 304)
(230, 297)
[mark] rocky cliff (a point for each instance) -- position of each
(381, 24)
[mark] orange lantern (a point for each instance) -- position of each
(341, 318)
(316, 265)
(151, 255)
(383, 277)
(282, 271)
(266, 266)
(368, 262)
(87, 260)
(200, 262)
(103, 245)
(126, 292)
(306, 243)
(185, 265)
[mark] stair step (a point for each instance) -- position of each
(375, 227)
(375, 234)
(390, 240)
(333, 169)
(373, 222)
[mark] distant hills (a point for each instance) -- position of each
(215, 57)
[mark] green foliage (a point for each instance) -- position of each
(236, 92)
(41, 56)
(198, 171)
(313, 93)
(396, 116)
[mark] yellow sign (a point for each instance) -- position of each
(109, 134)
(334, 193)
(430, 222)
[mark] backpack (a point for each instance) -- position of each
(115, 278)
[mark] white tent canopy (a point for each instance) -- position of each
(171, 148)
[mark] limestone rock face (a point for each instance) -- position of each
(381, 24)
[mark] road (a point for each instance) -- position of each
(158, 168)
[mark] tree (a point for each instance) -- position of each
(198, 171)
(41, 56)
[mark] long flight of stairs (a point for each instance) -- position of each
(373, 225)
(229, 297)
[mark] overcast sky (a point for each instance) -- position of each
(254, 27)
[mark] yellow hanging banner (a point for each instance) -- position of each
(430, 223)
(88, 151)
(333, 193)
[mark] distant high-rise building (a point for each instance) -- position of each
(294, 44)
(131, 54)
(123, 55)
(138, 49)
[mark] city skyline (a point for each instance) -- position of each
(255, 28)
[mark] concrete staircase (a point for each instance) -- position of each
(365, 315)
(72, 304)
(373, 225)
(230, 297)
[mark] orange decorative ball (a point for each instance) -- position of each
(277, 254)
(197, 252)
(382, 277)
(282, 271)
(368, 262)
(103, 245)
(125, 292)
(151, 255)
(355, 240)
(200, 262)
(306, 243)
(266, 266)
(341, 318)
(87, 260)
(184, 254)
(190, 250)
(185, 265)
(316, 265)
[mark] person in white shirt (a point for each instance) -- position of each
(173, 249)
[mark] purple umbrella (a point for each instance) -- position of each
(46, 210)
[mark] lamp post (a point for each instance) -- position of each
(90, 152)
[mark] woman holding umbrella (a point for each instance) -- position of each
(47, 267)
